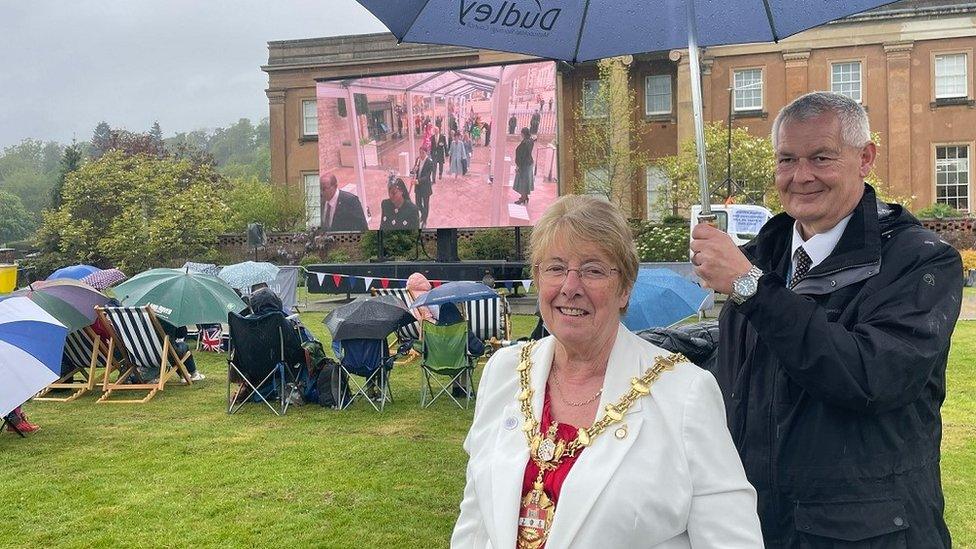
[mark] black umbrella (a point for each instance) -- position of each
(368, 318)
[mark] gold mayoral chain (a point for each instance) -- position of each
(535, 517)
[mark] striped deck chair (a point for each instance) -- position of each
(410, 331)
(139, 337)
(83, 352)
(489, 318)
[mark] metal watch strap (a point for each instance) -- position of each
(754, 273)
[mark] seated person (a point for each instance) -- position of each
(177, 337)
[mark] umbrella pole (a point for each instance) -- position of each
(696, 106)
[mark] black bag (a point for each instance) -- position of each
(332, 385)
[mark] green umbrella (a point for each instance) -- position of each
(181, 298)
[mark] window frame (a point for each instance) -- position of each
(762, 89)
(670, 80)
(313, 212)
(861, 76)
(969, 175)
(587, 113)
(968, 53)
(305, 118)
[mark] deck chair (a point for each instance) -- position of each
(141, 341)
(489, 318)
(445, 354)
(369, 359)
(83, 352)
(410, 332)
(265, 355)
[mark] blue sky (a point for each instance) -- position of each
(68, 64)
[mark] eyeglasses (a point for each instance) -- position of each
(590, 274)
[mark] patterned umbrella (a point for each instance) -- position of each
(244, 275)
(70, 301)
(179, 297)
(31, 343)
(104, 279)
(205, 268)
(75, 272)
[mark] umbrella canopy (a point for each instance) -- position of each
(107, 278)
(571, 30)
(661, 298)
(74, 272)
(31, 343)
(244, 275)
(70, 301)
(455, 292)
(368, 318)
(179, 297)
(205, 268)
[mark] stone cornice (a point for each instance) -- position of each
(796, 58)
(275, 97)
(899, 50)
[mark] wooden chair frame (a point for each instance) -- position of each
(172, 363)
(99, 357)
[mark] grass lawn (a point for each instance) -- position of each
(180, 472)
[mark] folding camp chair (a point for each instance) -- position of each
(369, 359)
(141, 342)
(210, 337)
(83, 352)
(265, 355)
(445, 353)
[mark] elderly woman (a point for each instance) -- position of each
(593, 437)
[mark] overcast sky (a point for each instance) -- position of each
(66, 65)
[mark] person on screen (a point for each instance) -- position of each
(438, 152)
(341, 211)
(459, 155)
(425, 185)
(524, 177)
(399, 213)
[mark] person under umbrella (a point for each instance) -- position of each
(619, 441)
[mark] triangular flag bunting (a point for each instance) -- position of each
(385, 282)
(368, 280)
(321, 277)
(526, 283)
(508, 285)
(435, 283)
(337, 279)
(353, 280)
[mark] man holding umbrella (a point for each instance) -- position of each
(833, 346)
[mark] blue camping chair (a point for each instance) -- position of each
(369, 359)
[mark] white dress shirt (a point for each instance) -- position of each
(332, 203)
(818, 246)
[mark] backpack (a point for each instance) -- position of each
(333, 387)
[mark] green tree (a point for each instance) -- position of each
(136, 212)
(277, 207)
(29, 170)
(70, 161)
(15, 221)
(753, 166)
(608, 164)
(101, 138)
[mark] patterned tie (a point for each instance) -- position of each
(803, 263)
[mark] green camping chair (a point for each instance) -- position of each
(445, 353)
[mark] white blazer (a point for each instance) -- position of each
(674, 481)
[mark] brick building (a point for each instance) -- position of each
(910, 64)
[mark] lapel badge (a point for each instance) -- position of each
(621, 432)
(510, 423)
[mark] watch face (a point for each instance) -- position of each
(745, 286)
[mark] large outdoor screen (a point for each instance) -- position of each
(474, 147)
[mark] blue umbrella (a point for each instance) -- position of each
(660, 298)
(574, 30)
(76, 272)
(455, 292)
(31, 343)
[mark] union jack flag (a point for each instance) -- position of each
(210, 339)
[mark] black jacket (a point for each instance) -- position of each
(348, 215)
(833, 389)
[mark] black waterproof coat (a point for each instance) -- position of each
(833, 389)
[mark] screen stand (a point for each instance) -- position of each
(380, 250)
(419, 246)
(447, 245)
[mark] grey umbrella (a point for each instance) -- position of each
(368, 318)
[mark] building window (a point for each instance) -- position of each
(952, 176)
(310, 118)
(594, 105)
(748, 89)
(950, 76)
(657, 94)
(845, 79)
(596, 181)
(656, 183)
(313, 211)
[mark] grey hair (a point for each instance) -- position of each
(854, 127)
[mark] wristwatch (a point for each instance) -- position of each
(745, 286)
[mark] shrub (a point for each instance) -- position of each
(340, 256)
(968, 260)
(939, 211)
(662, 242)
(488, 244)
(397, 244)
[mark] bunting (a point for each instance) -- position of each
(526, 283)
(337, 279)
(385, 282)
(401, 282)
(369, 281)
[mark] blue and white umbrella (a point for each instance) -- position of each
(455, 292)
(660, 298)
(31, 344)
(242, 276)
